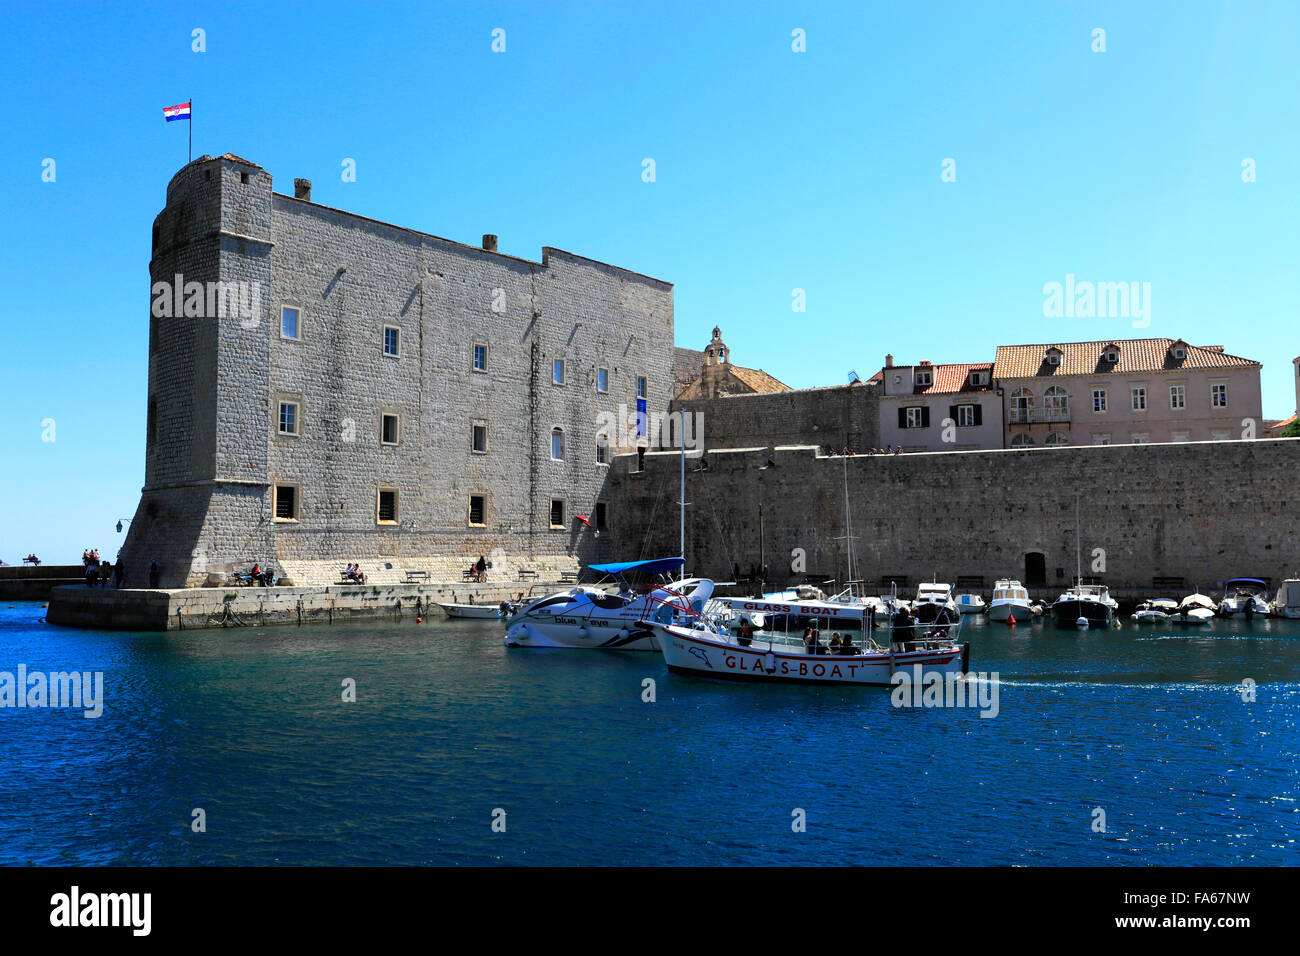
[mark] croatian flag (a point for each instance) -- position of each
(181, 111)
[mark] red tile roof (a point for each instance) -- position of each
(1085, 358)
(948, 379)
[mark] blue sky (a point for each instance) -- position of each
(775, 170)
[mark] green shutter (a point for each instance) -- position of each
(925, 416)
(902, 417)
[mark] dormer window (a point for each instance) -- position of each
(1178, 351)
(1111, 355)
(1053, 356)
(924, 377)
(979, 378)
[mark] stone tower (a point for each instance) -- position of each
(209, 340)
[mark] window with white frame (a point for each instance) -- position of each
(557, 444)
(386, 506)
(1102, 438)
(1056, 404)
(480, 357)
(557, 371)
(478, 438)
(1139, 438)
(640, 386)
(288, 418)
(388, 429)
(924, 377)
(915, 417)
(1218, 394)
(1099, 400)
(557, 513)
(286, 501)
(1057, 438)
(478, 510)
(602, 380)
(392, 340)
(1177, 396)
(1139, 394)
(1022, 404)
(965, 416)
(289, 323)
(1022, 440)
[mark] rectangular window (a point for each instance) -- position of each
(478, 438)
(557, 371)
(1139, 398)
(557, 444)
(602, 515)
(915, 417)
(392, 340)
(286, 502)
(1098, 399)
(387, 511)
(1177, 396)
(1180, 436)
(1101, 439)
(1139, 438)
(602, 452)
(557, 513)
(1219, 434)
(923, 378)
(640, 386)
(388, 430)
(1219, 395)
(477, 509)
(288, 418)
(965, 416)
(288, 323)
(602, 380)
(480, 358)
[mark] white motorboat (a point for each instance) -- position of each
(706, 649)
(1198, 600)
(1010, 599)
(932, 598)
(1145, 613)
(1168, 605)
(1090, 603)
(1245, 596)
(592, 617)
(1191, 614)
(971, 604)
(480, 611)
(1287, 602)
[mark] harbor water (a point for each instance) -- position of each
(1131, 746)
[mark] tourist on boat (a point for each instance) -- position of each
(835, 642)
(746, 632)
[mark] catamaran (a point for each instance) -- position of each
(590, 617)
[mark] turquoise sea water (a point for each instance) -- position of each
(249, 724)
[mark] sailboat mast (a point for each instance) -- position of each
(848, 526)
(682, 540)
(1078, 544)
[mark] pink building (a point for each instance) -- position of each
(939, 407)
(1126, 392)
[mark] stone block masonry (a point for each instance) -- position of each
(844, 416)
(420, 381)
(1203, 511)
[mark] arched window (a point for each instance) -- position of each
(1021, 441)
(1056, 403)
(557, 443)
(1022, 404)
(1057, 438)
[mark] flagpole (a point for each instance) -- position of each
(191, 158)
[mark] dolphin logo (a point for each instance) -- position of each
(698, 653)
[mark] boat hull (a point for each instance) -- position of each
(1001, 611)
(475, 611)
(686, 652)
(1067, 613)
(590, 635)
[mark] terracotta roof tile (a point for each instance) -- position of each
(1085, 358)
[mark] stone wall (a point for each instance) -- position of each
(215, 454)
(1203, 511)
(836, 417)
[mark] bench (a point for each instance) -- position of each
(416, 576)
(34, 562)
(469, 574)
(568, 577)
(527, 573)
(1161, 584)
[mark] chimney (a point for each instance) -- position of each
(925, 361)
(889, 361)
(302, 189)
(489, 242)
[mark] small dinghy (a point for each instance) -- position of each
(1148, 614)
(1190, 615)
(482, 611)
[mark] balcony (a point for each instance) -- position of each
(1028, 416)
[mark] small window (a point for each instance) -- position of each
(979, 378)
(478, 438)
(1098, 399)
(1180, 353)
(480, 358)
(1022, 440)
(288, 323)
(1218, 395)
(1139, 438)
(387, 512)
(557, 444)
(392, 340)
(1111, 357)
(1057, 438)
(924, 378)
(1177, 396)
(1139, 398)
(286, 502)
(151, 422)
(602, 452)
(477, 509)
(557, 513)
(1103, 439)
(388, 430)
(557, 371)
(602, 515)
(243, 179)
(965, 416)
(1220, 434)
(602, 380)
(915, 418)
(288, 418)
(640, 386)
(1180, 436)
(1053, 358)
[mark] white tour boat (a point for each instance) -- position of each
(591, 617)
(781, 649)
(480, 611)
(1010, 599)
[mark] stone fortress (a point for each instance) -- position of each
(366, 392)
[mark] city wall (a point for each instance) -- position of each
(837, 417)
(1202, 511)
